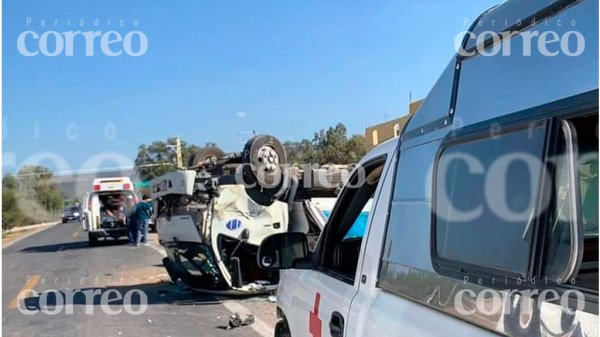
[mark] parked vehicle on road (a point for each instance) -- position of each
(485, 212)
(71, 213)
(107, 208)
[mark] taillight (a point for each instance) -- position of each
(96, 187)
(126, 186)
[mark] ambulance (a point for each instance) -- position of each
(107, 207)
(484, 216)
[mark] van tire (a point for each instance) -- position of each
(282, 329)
(273, 185)
(204, 153)
(92, 239)
(170, 269)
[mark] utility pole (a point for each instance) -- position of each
(178, 153)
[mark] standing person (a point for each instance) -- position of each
(143, 212)
(131, 223)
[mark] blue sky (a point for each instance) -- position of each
(215, 70)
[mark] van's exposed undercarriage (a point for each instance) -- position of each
(212, 217)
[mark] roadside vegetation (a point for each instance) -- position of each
(159, 157)
(332, 145)
(30, 197)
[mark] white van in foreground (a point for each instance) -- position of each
(485, 212)
(107, 207)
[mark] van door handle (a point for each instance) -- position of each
(336, 325)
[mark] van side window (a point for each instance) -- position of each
(558, 251)
(485, 196)
(560, 242)
(346, 226)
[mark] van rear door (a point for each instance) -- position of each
(85, 219)
(94, 219)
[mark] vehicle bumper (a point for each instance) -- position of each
(114, 232)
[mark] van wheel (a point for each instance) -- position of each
(205, 153)
(282, 329)
(170, 269)
(92, 239)
(266, 176)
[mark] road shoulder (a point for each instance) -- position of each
(14, 236)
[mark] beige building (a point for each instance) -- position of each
(377, 134)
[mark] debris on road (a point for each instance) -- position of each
(235, 321)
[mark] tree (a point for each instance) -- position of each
(159, 157)
(355, 148)
(300, 152)
(328, 146)
(30, 197)
(36, 182)
(10, 182)
(12, 215)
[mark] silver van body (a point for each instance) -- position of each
(480, 95)
(418, 272)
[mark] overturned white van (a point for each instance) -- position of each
(212, 217)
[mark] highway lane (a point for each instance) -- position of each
(60, 259)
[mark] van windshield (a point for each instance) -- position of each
(360, 224)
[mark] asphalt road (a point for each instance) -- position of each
(59, 259)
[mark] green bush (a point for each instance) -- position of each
(11, 214)
(31, 197)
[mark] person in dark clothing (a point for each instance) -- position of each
(130, 220)
(143, 213)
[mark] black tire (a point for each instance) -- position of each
(265, 196)
(272, 181)
(92, 239)
(204, 153)
(253, 146)
(282, 329)
(170, 269)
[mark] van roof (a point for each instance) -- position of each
(479, 88)
(112, 184)
(112, 180)
(386, 147)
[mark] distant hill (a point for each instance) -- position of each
(75, 185)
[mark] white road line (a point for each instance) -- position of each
(33, 231)
(262, 328)
(159, 249)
